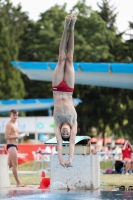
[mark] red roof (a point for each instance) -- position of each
(93, 140)
(107, 140)
(120, 141)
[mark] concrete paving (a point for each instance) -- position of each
(14, 187)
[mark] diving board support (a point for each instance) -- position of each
(4, 171)
(84, 175)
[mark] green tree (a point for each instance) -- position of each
(107, 13)
(116, 45)
(12, 21)
(129, 43)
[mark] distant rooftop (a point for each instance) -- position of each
(117, 75)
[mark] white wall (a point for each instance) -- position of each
(31, 124)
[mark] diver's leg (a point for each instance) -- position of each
(59, 70)
(69, 76)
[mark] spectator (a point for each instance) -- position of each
(126, 157)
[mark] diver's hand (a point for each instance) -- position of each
(68, 163)
(63, 163)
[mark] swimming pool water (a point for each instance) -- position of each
(64, 195)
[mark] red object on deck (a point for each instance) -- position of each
(45, 183)
(43, 174)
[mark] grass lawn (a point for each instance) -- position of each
(107, 179)
(28, 179)
(116, 179)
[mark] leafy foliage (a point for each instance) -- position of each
(97, 39)
(12, 21)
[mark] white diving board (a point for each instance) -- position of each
(116, 75)
(25, 105)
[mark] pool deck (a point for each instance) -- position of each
(35, 187)
(14, 187)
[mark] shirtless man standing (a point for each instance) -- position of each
(65, 115)
(12, 136)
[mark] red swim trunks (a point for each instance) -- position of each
(62, 87)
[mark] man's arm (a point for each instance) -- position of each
(72, 143)
(59, 145)
(130, 146)
(123, 148)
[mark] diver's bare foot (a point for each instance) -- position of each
(67, 21)
(73, 20)
(21, 185)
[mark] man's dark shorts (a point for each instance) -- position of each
(11, 145)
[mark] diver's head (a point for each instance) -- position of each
(65, 131)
